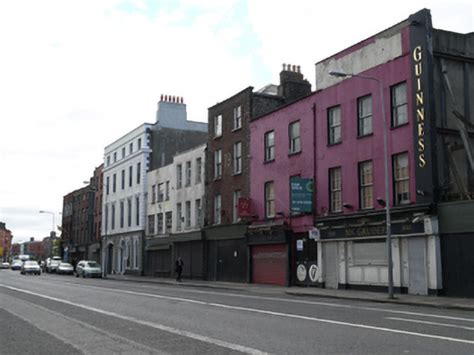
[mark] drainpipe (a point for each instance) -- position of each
(314, 161)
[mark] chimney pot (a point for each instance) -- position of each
(294, 68)
(284, 65)
(161, 98)
(298, 68)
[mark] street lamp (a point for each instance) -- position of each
(387, 183)
(52, 214)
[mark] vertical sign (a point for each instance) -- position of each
(301, 190)
(423, 113)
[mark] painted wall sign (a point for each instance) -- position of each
(419, 105)
(301, 190)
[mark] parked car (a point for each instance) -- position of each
(52, 264)
(30, 267)
(65, 269)
(16, 264)
(88, 268)
(5, 265)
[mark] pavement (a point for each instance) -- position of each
(466, 304)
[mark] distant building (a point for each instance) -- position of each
(175, 210)
(5, 242)
(126, 164)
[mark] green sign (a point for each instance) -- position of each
(301, 195)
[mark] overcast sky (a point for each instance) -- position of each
(76, 75)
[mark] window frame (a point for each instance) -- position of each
(269, 146)
(218, 126)
(334, 128)
(217, 208)
(335, 192)
(236, 194)
(294, 141)
(188, 172)
(366, 188)
(237, 158)
(237, 117)
(179, 176)
(217, 164)
(363, 117)
(395, 107)
(269, 199)
(401, 181)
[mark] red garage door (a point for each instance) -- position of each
(269, 264)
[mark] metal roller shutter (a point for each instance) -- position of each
(270, 264)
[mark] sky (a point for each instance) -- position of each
(77, 75)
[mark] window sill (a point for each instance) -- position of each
(217, 178)
(237, 174)
(217, 137)
(399, 125)
(365, 135)
(268, 161)
(334, 144)
(290, 154)
(236, 129)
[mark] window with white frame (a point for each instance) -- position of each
(401, 179)
(161, 192)
(179, 176)
(269, 141)
(108, 160)
(218, 126)
(115, 157)
(123, 152)
(399, 103)
(187, 216)
(335, 189)
(107, 184)
(198, 212)
(151, 224)
(334, 125)
(217, 209)
(366, 184)
(137, 211)
(167, 191)
(153, 194)
(269, 199)
(294, 137)
(237, 117)
(188, 174)
(139, 143)
(122, 214)
(218, 164)
(237, 158)
(169, 221)
(235, 205)
(130, 148)
(129, 212)
(139, 172)
(114, 183)
(159, 228)
(123, 179)
(130, 175)
(179, 216)
(364, 115)
(198, 170)
(113, 216)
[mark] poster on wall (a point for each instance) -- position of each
(301, 190)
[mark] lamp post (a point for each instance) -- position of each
(387, 182)
(52, 214)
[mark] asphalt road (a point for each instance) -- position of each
(53, 314)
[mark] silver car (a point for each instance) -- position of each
(30, 267)
(64, 269)
(88, 268)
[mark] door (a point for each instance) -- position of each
(330, 265)
(417, 266)
(232, 259)
(270, 264)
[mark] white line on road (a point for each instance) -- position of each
(251, 310)
(430, 323)
(165, 328)
(285, 300)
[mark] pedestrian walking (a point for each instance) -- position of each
(179, 268)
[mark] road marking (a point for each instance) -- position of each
(430, 323)
(276, 299)
(335, 305)
(165, 328)
(251, 310)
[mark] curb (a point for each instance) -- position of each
(380, 300)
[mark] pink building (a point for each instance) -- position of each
(335, 136)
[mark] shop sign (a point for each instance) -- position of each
(301, 190)
(301, 272)
(299, 245)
